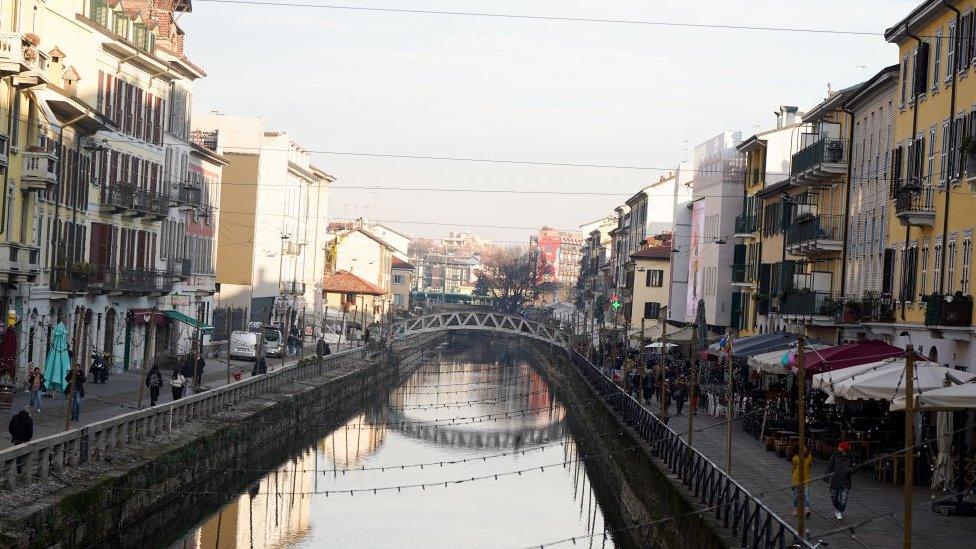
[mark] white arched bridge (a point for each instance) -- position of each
(482, 321)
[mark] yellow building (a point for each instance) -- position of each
(648, 284)
(767, 157)
(929, 260)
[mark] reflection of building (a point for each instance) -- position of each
(272, 229)
(350, 445)
(274, 513)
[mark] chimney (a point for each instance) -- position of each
(786, 116)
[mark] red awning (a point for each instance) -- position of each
(141, 317)
(847, 355)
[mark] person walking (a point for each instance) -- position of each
(839, 472)
(21, 427)
(176, 384)
(35, 384)
(154, 380)
(807, 464)
(75, 386)
(680, 395)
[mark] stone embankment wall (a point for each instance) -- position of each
(152, 490)
(633, 487)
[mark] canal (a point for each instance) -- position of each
(472, 449)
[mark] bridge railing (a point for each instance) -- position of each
(37, 459)
(750, 521)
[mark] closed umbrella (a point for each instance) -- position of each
(57, 365)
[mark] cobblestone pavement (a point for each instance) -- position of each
(767, 476)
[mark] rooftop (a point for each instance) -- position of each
(344, 282)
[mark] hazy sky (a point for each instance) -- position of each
(588, 93)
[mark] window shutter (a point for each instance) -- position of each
(896, 155)
(921, 69)
(888, 274)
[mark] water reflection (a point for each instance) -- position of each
(463, 453)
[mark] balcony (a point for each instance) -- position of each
(189, 196)
(180, 268)
(746, 226)
(71, 280)
(823, 162)
(816, 235)
(744, 276)
(117, 198)
(819, 307)
(870, 308)
(291, 248)
(949, 310)
(18, 55)
(19, 260)
(130, 201)
(40, 170)
(915, 208)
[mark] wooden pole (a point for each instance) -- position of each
(664, 365)
(801, 418)
(909, 443)
(728, 405)
(227, 335)
(693, 382)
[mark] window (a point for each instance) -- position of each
(915, 82)
(654, 278)
(937, 60)
(923, 270)
(950, 265)
(965, 41)
(904, 81)
(937, 267)
(931, 160)
(951, 52)
(944, 153)
(652, 310)
(121, 26)
(98, 12)
(398, 279)
(967, 255)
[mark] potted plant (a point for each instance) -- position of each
(852, 311)
(968, 145)
(82, 269)
(6, 390)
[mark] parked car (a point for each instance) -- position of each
(273, 344)
(245, 344)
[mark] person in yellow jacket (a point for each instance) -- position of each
(807, 461)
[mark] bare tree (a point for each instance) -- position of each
(516, 277)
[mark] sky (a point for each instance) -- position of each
(528, 90)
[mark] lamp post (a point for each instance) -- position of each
(281, 263)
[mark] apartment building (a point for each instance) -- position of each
(593, 284)
(928, 259)
(678, 302)
(716, 201)
(562, 251)
(272, 235)
(90, 121)
(767, 162)
(401, 283)
(648, 282)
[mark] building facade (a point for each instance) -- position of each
(273, 227)
(648, 282)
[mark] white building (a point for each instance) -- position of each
(681, 243)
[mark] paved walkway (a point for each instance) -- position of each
(765, 475)
(120, 395)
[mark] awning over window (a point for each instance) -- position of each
(189, 320)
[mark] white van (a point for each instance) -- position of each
(273, 344)
(244, 344)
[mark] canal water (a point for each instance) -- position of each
(472, 450)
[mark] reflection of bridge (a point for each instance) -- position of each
(477, 439)
(484, 321)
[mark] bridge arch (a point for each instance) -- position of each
(482, 321)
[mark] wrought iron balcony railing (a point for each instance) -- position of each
(826, 150)
(949, 310)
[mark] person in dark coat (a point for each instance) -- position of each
(75, 386)
(839, 471)
(680, 395)
(154, 380)
(21, 427)
(322, 348)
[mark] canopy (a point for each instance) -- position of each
(771, 362)
(886, 383)
(955, 397)
(847, 355)
(56, 366)
(826, 380)
(186, 319)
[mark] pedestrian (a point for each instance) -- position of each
(176, 383)
(35, 384)
(680, 395)
(320, 346)
(839, 471)
(201, 363)
(807, 461)
(154, 380)
(648, 387)
(21, 427)
(260, 366)
(75, 386)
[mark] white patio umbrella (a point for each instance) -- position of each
(889, 383)
(954, 397)
(826, 380)
(771, 362)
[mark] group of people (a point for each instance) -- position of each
(649, 376)
(838, 476)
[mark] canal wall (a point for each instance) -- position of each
(633, 486)
(148, 493)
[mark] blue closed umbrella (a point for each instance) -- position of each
(57, 365)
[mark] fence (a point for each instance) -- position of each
(749, 520)
(36, 460)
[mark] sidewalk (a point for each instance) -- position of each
(121, 393)
(765, 475)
